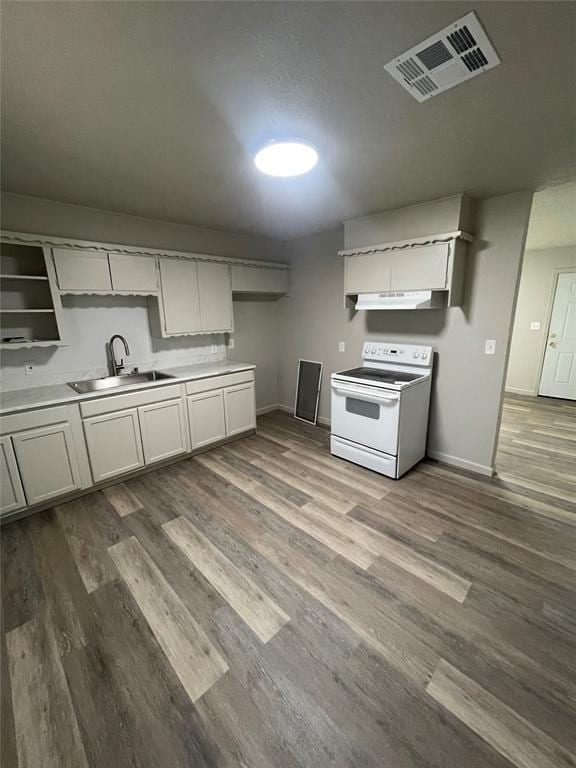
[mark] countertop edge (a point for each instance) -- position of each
(76, 397)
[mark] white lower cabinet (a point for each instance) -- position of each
(163, 429)
(11, 490)
(206, 417)
(239, 408)
(47, 462)
(114, 444)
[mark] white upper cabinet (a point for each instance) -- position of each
(180, 299)
(133, 273)
(422, 268)
(83, 271)
(215, 289)
(195, 297)
(79, 270)
(368, 273)
(259, 280)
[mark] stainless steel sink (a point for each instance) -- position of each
(112, 382)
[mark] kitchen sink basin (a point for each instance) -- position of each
(113, 382)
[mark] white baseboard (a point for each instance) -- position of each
(268, 409)
(472, 466)
(519, 391)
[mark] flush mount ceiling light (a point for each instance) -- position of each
(286, 158)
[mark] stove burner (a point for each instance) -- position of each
(379, 375)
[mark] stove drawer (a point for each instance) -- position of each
(366, 415)
(365, 457)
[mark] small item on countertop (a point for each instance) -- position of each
(16, 339)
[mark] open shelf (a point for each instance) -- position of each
(23, 277)
(30, 308)
(23, 311)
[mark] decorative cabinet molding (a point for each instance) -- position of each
(431, 263)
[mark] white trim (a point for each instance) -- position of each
(472, 466)
(268, 409)
(415, 242)
(314, 362)
(140, 250)
(520, 391)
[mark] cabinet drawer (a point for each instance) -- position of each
(78, 270)
(216, 382)
(133, 273)
(130, 400)
(47, 462)
(114, 444)
(16, 422)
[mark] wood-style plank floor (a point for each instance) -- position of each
(265, 605)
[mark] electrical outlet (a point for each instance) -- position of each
(341, 346)
(214, 349)
(490, 347)
(535, 326)
(231, 344)
(29, 368)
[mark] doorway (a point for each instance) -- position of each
(536, 450)
(558, 376)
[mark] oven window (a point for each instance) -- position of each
(362, 408)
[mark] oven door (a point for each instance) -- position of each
(366, 415)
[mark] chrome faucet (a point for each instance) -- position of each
(116, 367)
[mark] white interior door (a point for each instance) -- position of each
(558, 377)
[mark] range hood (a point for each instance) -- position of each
(402, 300)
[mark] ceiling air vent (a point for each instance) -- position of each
(448, 58)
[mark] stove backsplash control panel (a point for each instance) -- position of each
(409, 354)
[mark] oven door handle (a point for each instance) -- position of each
(362, 394)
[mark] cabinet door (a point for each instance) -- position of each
(215, 289)
(206, 416)
(422, 268)
(133, 273)
(163, 429)
(11, 491)
(47, 462)
(240, 408)
(259, 280)
(368, 273)
(78, 270)
(114, 444)
(181, 306)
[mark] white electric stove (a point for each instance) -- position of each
(380, 410)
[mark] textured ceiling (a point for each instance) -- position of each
(155, 108)
(553, 218)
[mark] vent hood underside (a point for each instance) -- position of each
(402, 300)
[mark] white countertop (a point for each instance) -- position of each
(60, 394)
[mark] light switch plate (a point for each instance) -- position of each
(231, 343)
(535, 326)
(490, 347)
(341, 346)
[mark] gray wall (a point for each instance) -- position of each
(535, 298)
(467, 384)
(90, 321)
